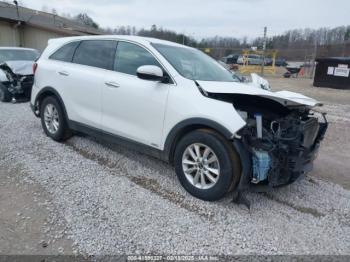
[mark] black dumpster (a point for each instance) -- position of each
(333, 72)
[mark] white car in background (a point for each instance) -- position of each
(178, 104)
(16, 73)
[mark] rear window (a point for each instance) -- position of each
(65, 53)
(18, 54)
(96, 53)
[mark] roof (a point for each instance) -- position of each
(44, 20)
(334, 59)
(139, 39)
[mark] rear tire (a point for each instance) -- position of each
(219, 176)
(53, 119)
(5, 95)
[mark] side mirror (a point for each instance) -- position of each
(150, 72)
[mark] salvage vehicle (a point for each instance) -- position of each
(16, 73)
(176, 103)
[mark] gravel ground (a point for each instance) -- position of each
(113, 200)
(29, 223)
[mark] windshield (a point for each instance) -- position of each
(194, 64)
(237, 77)
(13, 55)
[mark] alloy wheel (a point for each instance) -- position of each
(51, 118)
(201, 166)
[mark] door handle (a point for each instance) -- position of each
(112, 84)
(63, 73)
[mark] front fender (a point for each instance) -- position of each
(191, 123)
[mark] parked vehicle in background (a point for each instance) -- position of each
(268, 61)
(251, 60)
(16, 73)
(178, 104)
(258, 60)
(281, 62)
(230, 59)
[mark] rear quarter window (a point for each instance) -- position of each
(65, 53)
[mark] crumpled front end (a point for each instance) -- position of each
(277, 152)
(280, 140)
(18, 85)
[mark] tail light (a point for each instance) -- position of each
(35, 66)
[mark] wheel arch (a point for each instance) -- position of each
(189, 125)
(45, 92)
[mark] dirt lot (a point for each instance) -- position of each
(86, 197)
(302, 85)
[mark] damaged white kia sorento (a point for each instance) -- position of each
(177, 104)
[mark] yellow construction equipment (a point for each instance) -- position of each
(248, 68)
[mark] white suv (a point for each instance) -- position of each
(178, 104)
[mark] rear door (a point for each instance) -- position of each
(132, 107)
(84, 79)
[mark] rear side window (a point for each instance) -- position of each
(129, 57)
(65, 53)
(97, 53)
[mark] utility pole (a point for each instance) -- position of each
(264, 49)
(314, 59)
(16, 4)
(16, 28)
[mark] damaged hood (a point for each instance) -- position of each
(284, 97)
(20, 67)
(258, 81)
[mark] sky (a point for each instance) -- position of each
(207, 18)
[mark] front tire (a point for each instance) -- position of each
(53, 119)
(206, 164)
(5, 95)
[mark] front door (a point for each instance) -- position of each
(132, 107)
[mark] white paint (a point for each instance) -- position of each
(142, 110)
(330, 70)
(150, 70)
(342, 72)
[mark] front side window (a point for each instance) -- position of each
(194, 64)
(65, 53)
(129, 57)
(96, 53)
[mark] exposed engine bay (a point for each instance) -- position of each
(17, 81)
(278, 143)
